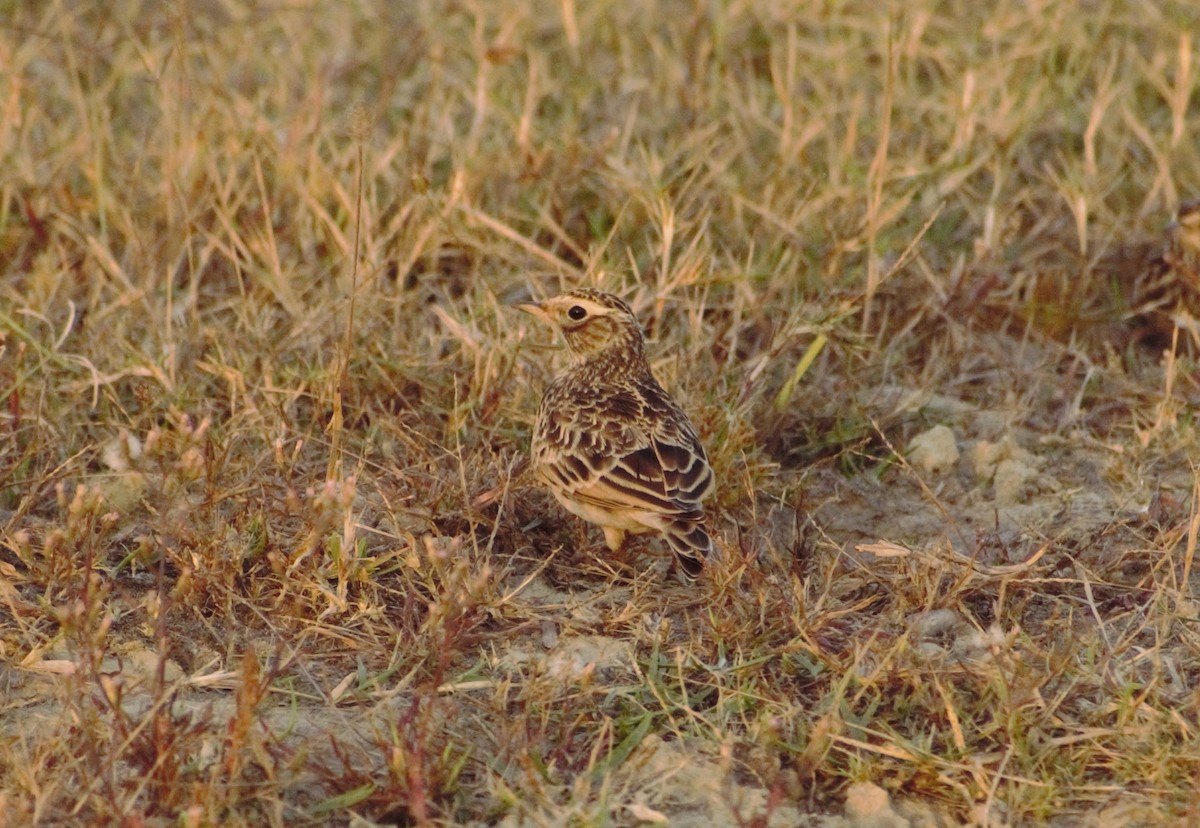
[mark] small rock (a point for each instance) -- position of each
(1010, 480)
(984, 456)
(928, 651)
(867, 806)
(578, 656)
(933, 623)
(934, 450)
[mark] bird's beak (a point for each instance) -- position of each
(536, 309)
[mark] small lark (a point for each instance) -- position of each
(1183, 243)
(1167, 292)
(609, 443)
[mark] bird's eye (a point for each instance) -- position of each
(577, 312)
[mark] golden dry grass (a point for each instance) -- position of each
(238, 591)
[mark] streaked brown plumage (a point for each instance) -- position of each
(1167, 293)
(609, 443)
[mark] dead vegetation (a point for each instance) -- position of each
(264, 560)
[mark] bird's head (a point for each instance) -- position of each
(593, 323)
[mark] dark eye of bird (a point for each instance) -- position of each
(577, 312)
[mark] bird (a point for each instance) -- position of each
(609, 443)
(1166, 294)
(1183, 244)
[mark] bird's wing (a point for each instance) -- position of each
(660, 478)
(649, 462)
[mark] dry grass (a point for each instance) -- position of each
(236, 590)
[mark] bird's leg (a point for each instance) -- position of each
(618, 544)
(615, 538)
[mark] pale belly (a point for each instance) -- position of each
(634, 522)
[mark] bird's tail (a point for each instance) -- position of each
(692, 545)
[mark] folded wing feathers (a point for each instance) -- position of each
(611, 463)
(662, 477)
